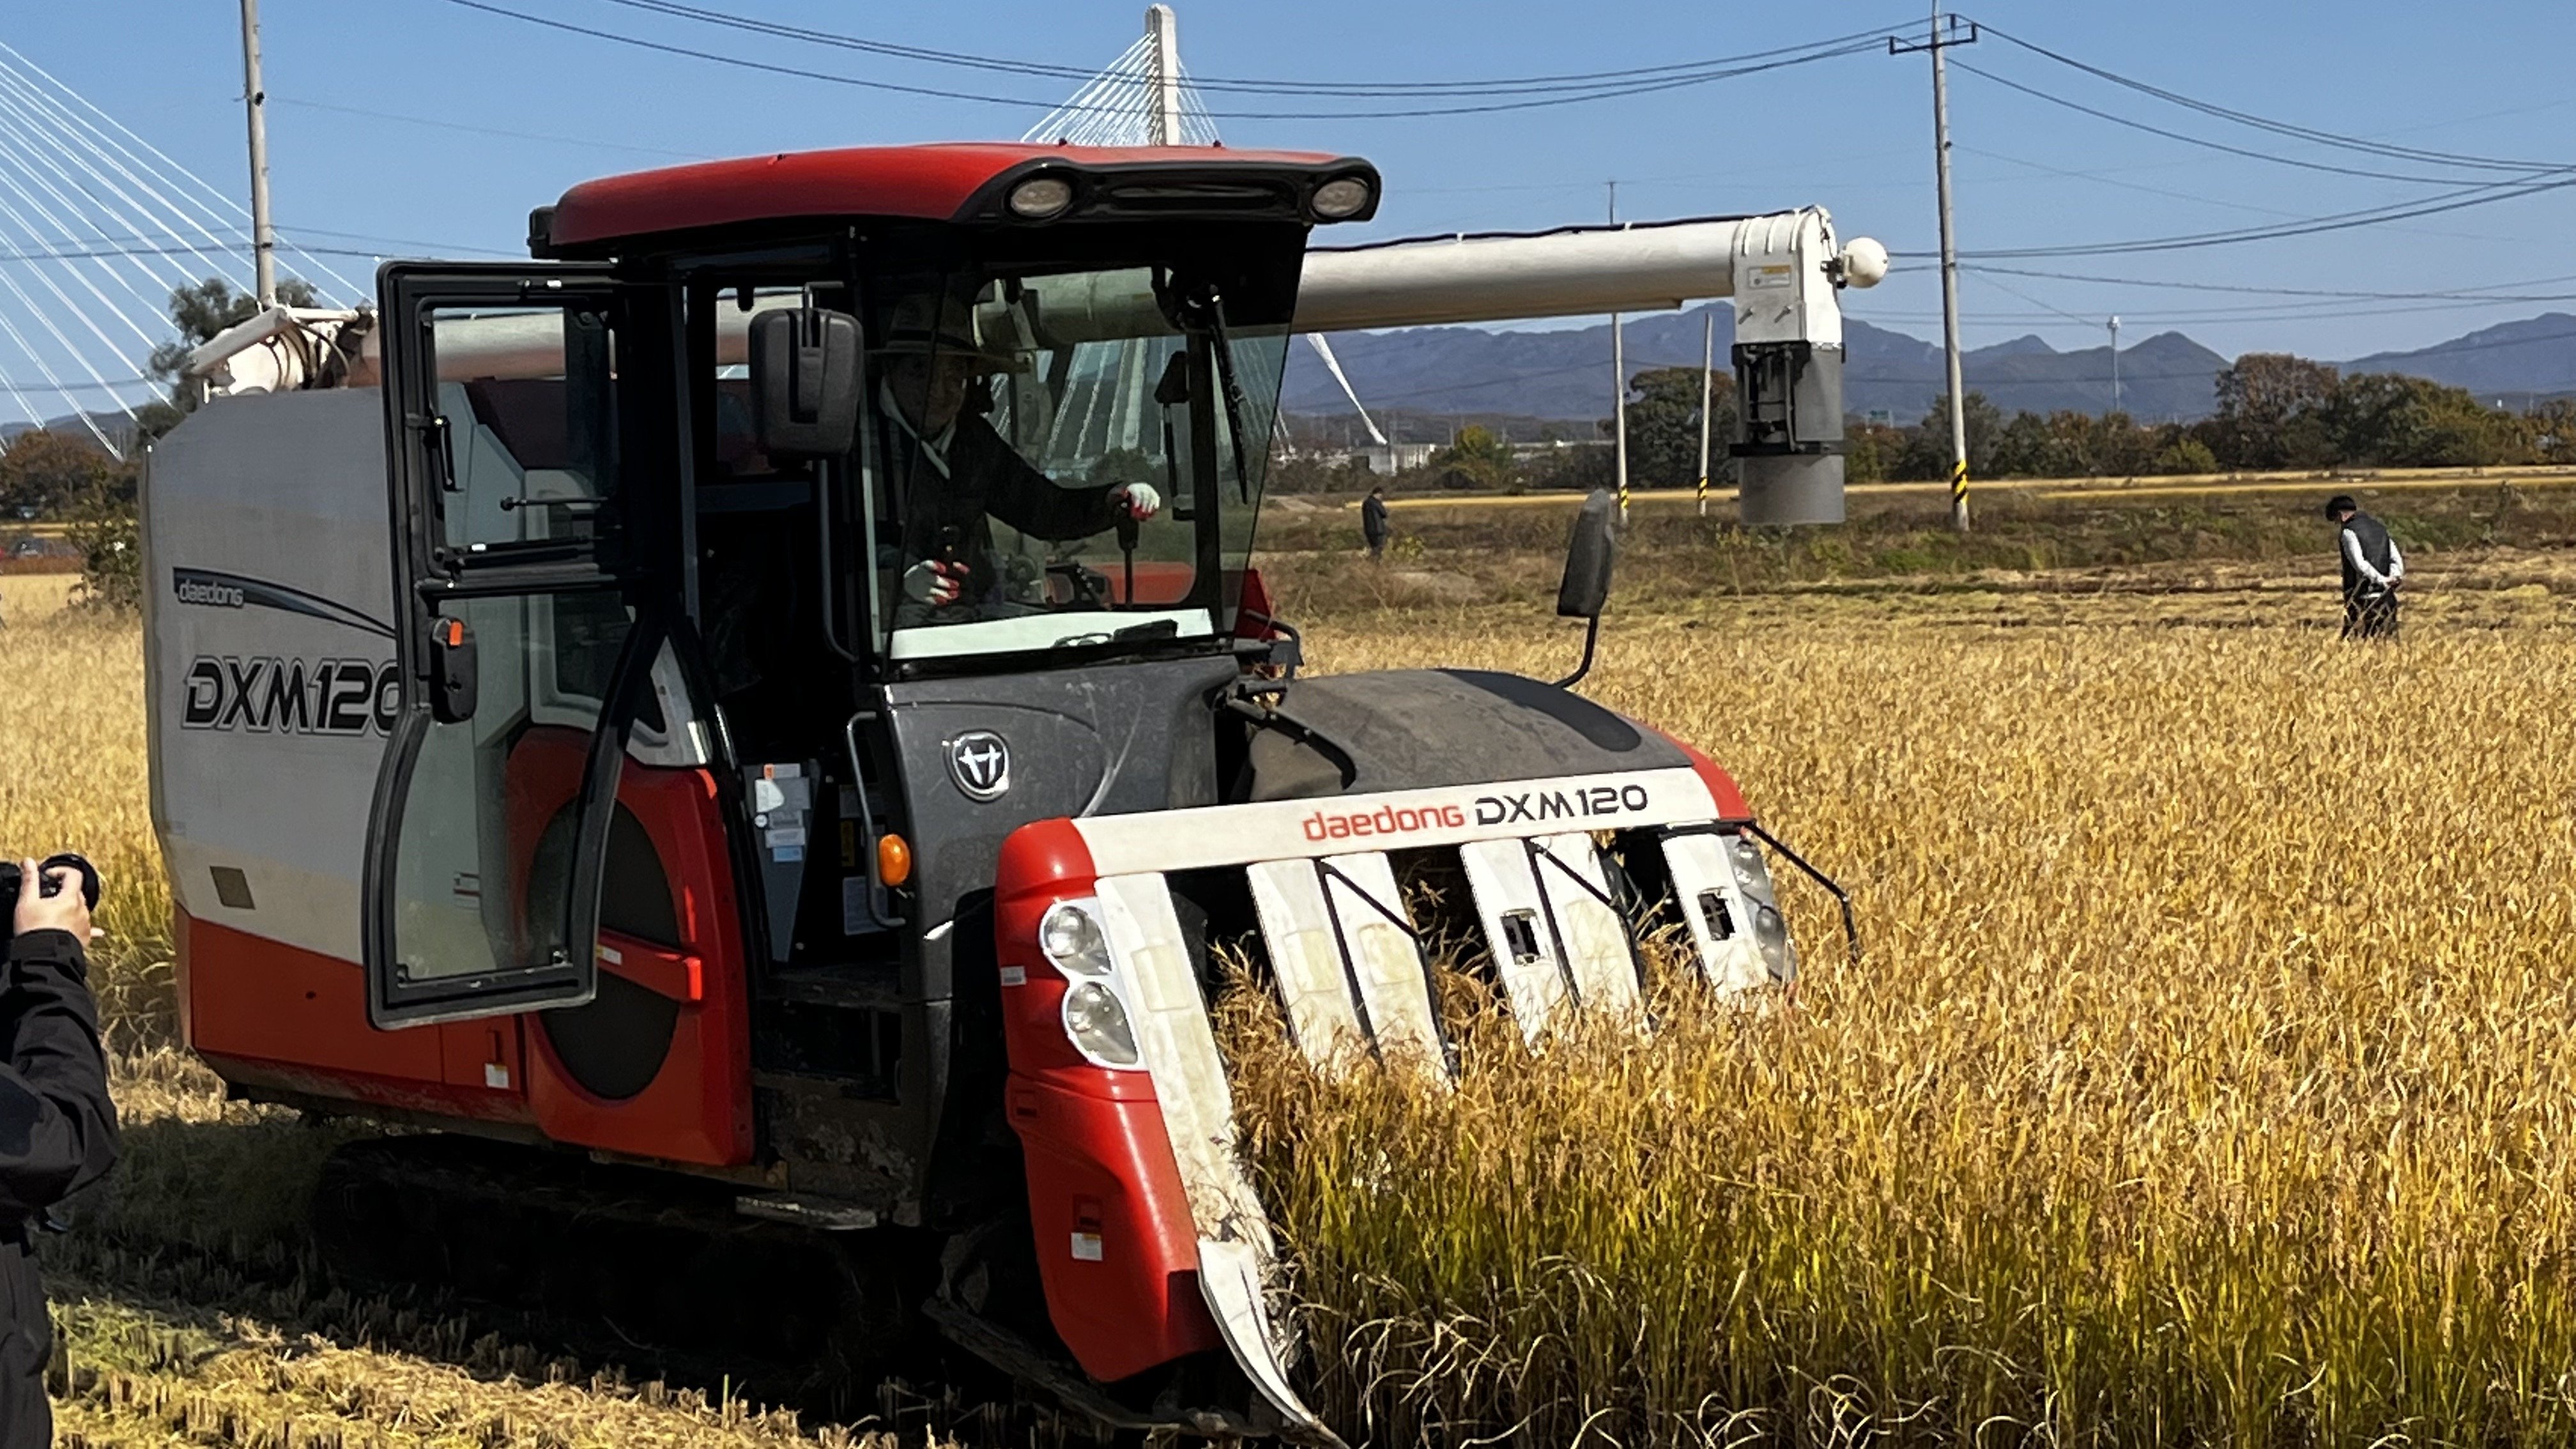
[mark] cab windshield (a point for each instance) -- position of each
(1061, 458)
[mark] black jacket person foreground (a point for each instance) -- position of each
(57, 1128)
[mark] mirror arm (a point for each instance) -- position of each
(1591, 637)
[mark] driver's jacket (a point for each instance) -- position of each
(950, 488)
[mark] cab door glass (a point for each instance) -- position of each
(473, 896)
(524, 435)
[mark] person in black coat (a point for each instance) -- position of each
(1373, 525)
(2372, 570)
(57, 1126)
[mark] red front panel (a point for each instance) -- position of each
(1115, 1244)
(266, 1013)
(1721, 785)
(698, 1108)
(262, 1011)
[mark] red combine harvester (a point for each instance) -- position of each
(763, 777)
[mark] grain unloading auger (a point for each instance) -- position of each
(780, 758)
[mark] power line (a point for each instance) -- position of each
(2482, 194)
(2472, 295)
(2202, 141)
(487, 130)
(1829, 50)
(1516, 85)
(2284, 128)
(2323, 311)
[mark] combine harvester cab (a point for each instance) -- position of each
(774, 692)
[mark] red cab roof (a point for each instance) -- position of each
(928, 183)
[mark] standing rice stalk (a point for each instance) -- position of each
(2208, 1080)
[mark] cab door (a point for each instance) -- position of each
(522, 547)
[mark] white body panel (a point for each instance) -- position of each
(1306, 960)
(1509, 904)
(1377, 938)
(1595, 938)
(1399, 819)
(1721, 919)
(286, 490)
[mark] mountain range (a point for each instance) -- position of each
(1563, 374)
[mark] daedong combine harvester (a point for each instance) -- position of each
(755, 738)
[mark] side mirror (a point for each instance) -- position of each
(805, 382)
(454, 680)
(1590, 553)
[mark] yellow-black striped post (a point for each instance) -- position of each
(1959, 495)
(1703, 495)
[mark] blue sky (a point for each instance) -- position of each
(1851, 133)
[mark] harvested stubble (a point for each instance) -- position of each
(187, 1306)
(2207, 1080)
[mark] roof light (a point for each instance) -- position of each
(1041, 197)
(1341, 198)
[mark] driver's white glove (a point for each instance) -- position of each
(1139, 499)
(934, 582)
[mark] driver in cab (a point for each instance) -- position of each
(954, 472)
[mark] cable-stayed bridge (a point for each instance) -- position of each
(97, 227)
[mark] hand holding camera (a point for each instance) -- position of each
(55, 904)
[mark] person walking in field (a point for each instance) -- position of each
(1373, 521)
(2372, 570)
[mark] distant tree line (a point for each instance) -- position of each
(2274, 412)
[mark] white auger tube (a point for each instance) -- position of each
(1785, 273)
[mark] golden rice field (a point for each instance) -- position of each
(2210, 1076)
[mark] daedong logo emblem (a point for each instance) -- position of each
(980, 764)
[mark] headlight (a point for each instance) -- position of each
(1040, 197)
(1070, 936)
(1341, 198)
(1098, 1025)
(1771, 933)
(1752, 872)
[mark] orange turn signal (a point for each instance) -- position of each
(894, 859)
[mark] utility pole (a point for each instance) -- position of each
(2115, 364)
(263, 236)
(1164, 29)
(1619, 384)
(1707, 399)
(1619, 409)
(1947, 31)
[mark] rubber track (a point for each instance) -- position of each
(620, 1260)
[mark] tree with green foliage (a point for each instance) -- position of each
(2273, 412)
(201, 314)
(2185, 454)
(2390, 421)
(1926, 453)
(1664, 406)
(47, 472)
(1479, 456)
